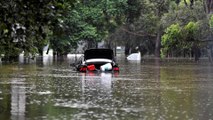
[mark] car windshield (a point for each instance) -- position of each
(98, 53)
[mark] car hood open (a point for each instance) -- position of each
(98, 53)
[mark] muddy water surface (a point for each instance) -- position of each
(149, 89)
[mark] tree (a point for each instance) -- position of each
(171, 40)
(193, 23)
(191, 32)
(177, 40)
(25, 25)
(148, 27)
(89, 21)
(208, 7)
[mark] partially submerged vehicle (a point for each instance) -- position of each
(97, 60)
(134, 56)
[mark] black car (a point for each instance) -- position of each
(97, 60)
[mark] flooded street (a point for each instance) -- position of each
(150, 90)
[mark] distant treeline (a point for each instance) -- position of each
(163, 28)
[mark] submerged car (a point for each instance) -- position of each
(97, 60)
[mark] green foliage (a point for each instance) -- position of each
(192, 20)
(190, 31)
(184, 2)
(133, 10)
(172, 34)
(26, 25)
(91, 21)
(171, 38)
(211, 22)
(30, 25)
(179, 38)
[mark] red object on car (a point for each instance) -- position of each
(83, 69)
(116, 68)
(91, 67)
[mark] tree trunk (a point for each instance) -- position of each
(208, 5)
(158, 44)
(210, 54)
(186, 4)
(197, 54)
(127, 48)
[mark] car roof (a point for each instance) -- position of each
(98, 53)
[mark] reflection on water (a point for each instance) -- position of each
(94, 80)
(47, 60)
(18, 99)
(141, 90)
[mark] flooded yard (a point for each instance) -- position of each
(149, 89)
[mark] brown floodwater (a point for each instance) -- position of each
(150, 89)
